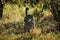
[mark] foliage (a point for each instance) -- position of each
(11, 24)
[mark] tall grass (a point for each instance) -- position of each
(11, 25)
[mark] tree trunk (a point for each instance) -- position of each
(56, 13)
(1, 9)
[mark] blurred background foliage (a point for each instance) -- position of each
(11, 24)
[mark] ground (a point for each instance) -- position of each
(11, 24)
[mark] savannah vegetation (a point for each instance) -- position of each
(46, 15)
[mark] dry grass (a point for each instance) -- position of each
(11, 25)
